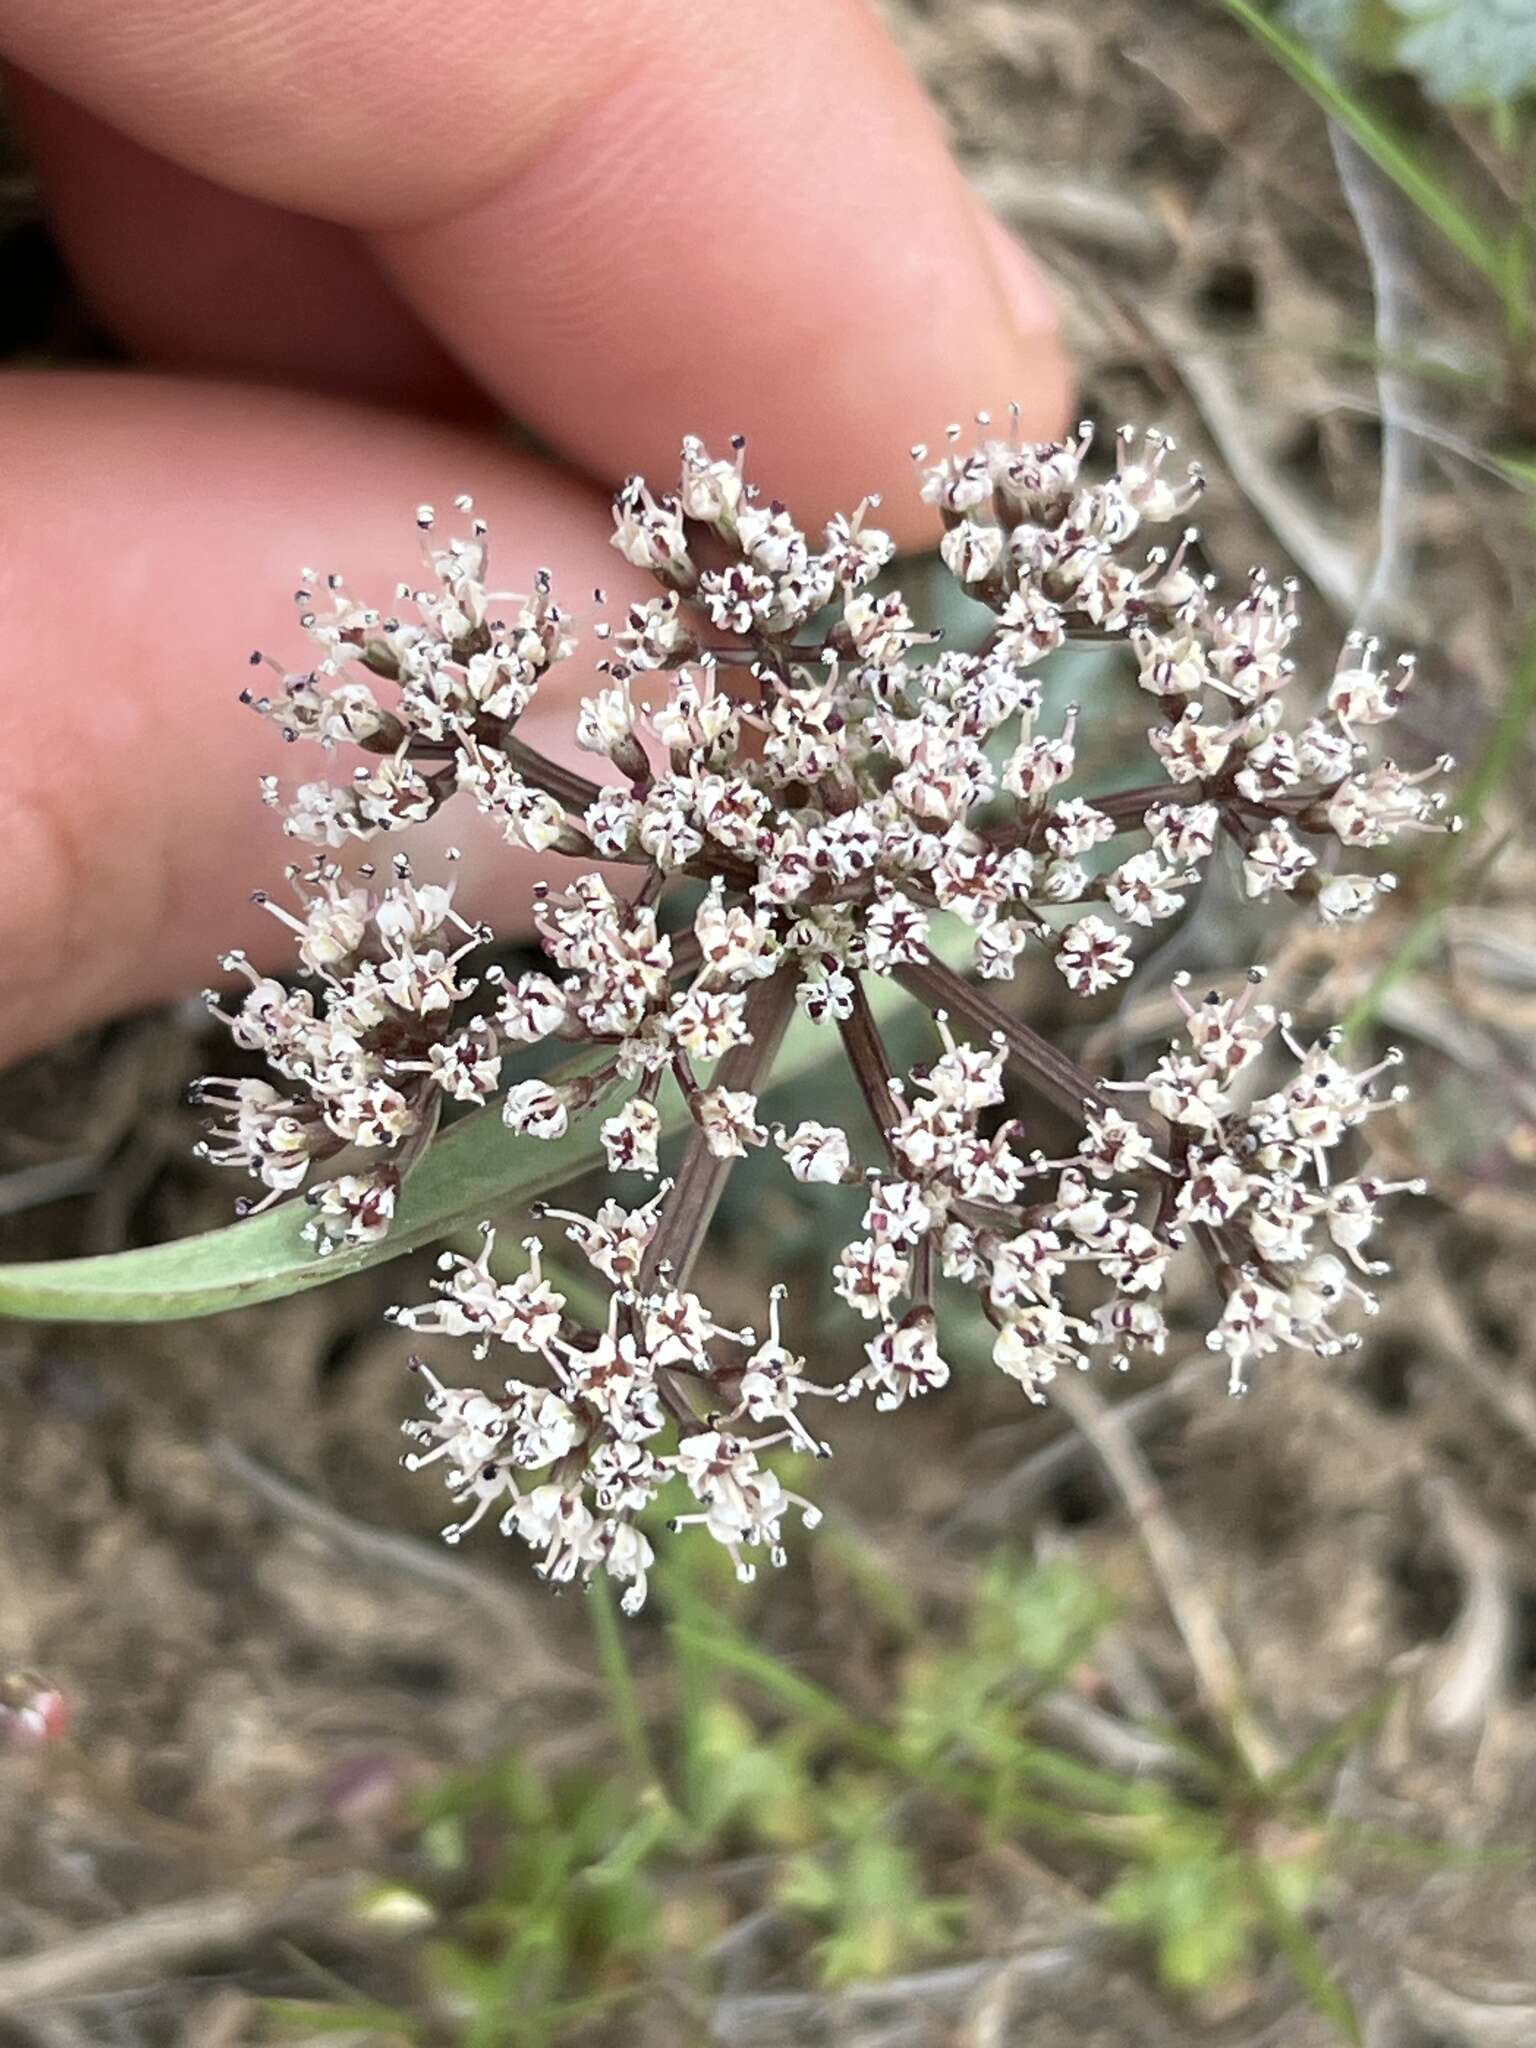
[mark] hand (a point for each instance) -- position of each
(346, 237)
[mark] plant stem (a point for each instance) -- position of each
(566, 785)
(701, 1179)
(1217, 1676)
(1052, 1072)
(870, 1062)
(619, 1684)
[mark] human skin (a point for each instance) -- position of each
(342, 241)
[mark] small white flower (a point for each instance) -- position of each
(1276, 860)
(1371, 809)
(1092, 956)
(533, 1008)
(630, 1137)
(1073, 827)
(1143, 891)
(1188, 1091)
(1114, 1146)
(1034, 1345)
(353, 1208)
(711, 490)
(1183, 834)
(1344, 898)
(1190, 750)
(903, 1361)
(816, 1152)
(972, 552)
(650, 534)
(1361, 693)
(535, 1110)
(605, 721)
(898, 1213)
(728, 1119)
(870, 1276)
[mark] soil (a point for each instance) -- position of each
(255, 1674)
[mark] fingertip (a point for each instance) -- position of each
(156, 530)
(189, 275)
(755, 230)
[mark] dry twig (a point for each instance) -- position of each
(1507, 1393)
(1328, 564)
(1217, 1676)
(1474, 1661)
(1013, 1495)
(535, 1667)
(163, 1939)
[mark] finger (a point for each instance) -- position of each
(630, 218)
(190, 275)
(133, 593)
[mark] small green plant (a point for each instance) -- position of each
(538, 1897)
(528, 1904)
(569, 1915)
(1195, 1896)
(867, 1891)
(1208, 1872)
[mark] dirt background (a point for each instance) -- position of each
(248, 1659)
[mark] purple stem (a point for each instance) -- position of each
(1052, 1072)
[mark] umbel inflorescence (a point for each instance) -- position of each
(778, 745)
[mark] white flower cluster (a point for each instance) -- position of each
(373, 1056)
(1067, 1258)
(775, 750)
(573, 1462)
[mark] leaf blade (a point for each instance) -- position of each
(474, 1166)
(468, 1171)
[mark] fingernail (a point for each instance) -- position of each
(1042, 381)
(1018, 278)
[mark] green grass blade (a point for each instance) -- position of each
(812, 1706)
(1308, 1965)
(1392, 153)
(1519, 468)
(1330, 1748)
(624, 1708)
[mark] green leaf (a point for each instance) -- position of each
(474, 1168)
(736, 1776)
(1040, 1621)
(1281, 1897)
(1192, 1904)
